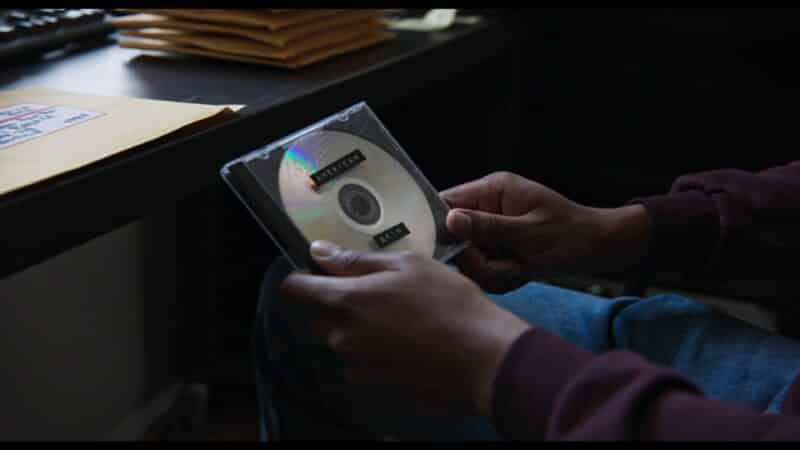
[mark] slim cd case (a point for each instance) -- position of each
(346, 180)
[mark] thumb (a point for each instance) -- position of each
(336, 260)
(483, 227)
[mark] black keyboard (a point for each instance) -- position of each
(28, 33)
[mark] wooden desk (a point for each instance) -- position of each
(215, 237)
(106, 195)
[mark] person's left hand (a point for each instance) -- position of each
(407, 324)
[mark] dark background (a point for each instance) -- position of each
(613, 103)
(620, 101)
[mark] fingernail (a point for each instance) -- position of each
(323, 249)
(462, 223)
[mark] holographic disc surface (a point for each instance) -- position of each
(360, 203)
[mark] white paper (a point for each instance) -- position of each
(20, 123)
(434, 20)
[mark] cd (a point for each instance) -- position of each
(362, 202)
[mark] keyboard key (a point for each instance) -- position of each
(7, 33)
(38, 24)
(51, 21)
(16, 17)
(34, 31)
(24, 28)
(72, 16)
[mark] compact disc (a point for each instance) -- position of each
(362, 202)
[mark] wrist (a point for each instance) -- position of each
(624, 235)
(500, 334)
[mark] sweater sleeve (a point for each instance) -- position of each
(548, 388)
(727, 222)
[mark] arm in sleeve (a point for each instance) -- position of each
(548, 388)
(727, 222)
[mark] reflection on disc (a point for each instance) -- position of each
(355, 206)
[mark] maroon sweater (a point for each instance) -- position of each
(548, 388)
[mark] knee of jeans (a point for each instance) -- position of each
(576, 316)
(656, 326)
(268, 292)
(277, 271)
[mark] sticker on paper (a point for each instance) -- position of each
(20, 123)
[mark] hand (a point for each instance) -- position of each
(520, 228)
(406, 323)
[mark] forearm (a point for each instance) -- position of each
(548, 388)
(624, 235)
(726, 222)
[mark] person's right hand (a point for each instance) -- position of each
(520, 229)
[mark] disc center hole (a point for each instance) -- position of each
(360, 205)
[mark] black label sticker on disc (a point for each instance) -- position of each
(391, 235)
(338, 167)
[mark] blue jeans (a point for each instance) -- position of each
(727, 359)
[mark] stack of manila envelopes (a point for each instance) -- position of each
(282, 38)
(45, 133)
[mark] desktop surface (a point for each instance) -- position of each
(110, 70)
(115, 191)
